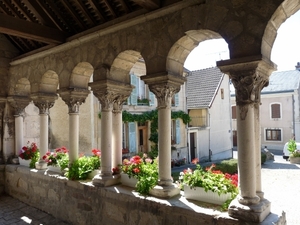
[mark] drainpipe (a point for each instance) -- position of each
(294, 131)
(209, 151)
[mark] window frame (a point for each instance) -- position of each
(280, 110)
(273, 129)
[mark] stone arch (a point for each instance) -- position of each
(283, 12)
(81, 75)
(22, 87)
(47, 84)
(182, 48)
(122, 65)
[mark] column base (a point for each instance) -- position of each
(41, 165)
(15, 160)
(165, 191)
(250, 213)
(105, 180)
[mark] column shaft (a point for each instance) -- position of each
(73, 136)
(106, 142)
(116, 139)
(164, 140)
(43, 134)
(19, 133)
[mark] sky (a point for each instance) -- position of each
(285, 51)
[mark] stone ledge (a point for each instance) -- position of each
(109, 205)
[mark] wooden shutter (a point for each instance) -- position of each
(151, 98)
(275, 111)
(176, 98)
(132, 136)
(133, 96)
(233, 109)
(177, 131)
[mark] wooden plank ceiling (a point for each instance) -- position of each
(34, 25)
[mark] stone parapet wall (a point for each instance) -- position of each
(82, 203)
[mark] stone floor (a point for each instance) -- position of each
(14, 212)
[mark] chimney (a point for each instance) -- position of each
(298, 66)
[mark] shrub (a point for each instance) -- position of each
(263, 157)
(227, 166)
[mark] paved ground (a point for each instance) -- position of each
(280, 181)
(14, 212)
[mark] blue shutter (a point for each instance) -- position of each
(176, 96)
(132, 137)
(133, 96)
(151, 98)
(177, 131)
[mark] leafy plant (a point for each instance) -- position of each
(80, 168)
(210, 179)
(292, 148)
(144, 169)
(30, 152)
(59, 158)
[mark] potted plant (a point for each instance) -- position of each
(84, 165)
(142, 170)
(209, 185)
(58, 160)
(96, 162)
(294, 152)
(29, 155)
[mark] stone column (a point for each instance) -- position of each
(73, 97)
(44, 102)
(109, 94)
(248, 76)
(164, 86)
(19, 103)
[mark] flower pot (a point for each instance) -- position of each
(130, 182)
(199, 194)
(24, 162)
(55, 169)
(295, 160)
(93, 173)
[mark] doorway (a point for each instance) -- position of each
(193, 148)
(143, 140)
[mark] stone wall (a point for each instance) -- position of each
(82, 203)
(2, 179)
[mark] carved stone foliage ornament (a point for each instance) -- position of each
(44, 106)
(164, 93)
(107, 99)
(18, 103)
(118, 103)
(74, 97)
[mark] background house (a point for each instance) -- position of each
(279, 110)
(208, 104)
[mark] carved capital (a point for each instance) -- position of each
(18, 103)
(44, 101)
(164, 94)
(74, 97)
(111, 94)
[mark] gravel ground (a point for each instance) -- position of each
(281, 183)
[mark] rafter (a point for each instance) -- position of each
(74, 14)
(84, 10)
(148, 4)
(21, 28)
(96, 6)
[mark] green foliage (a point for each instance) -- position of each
(35, 158)
(81, 167)
(153, 117)
(227, 166)
(145, 170)
(59, 158)
(263, 157)
(292, 146)
(154, 152)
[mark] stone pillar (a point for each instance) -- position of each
(73, 97)
(111, 95)
(44, 102)
(164, 86)
(18, 103)
(249, 76)
(2, 107)
(117, 131)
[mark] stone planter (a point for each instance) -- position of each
(55, 169)
(295, 160)
(93, 173)
(130, 182)
(199, 194)
(24, 162)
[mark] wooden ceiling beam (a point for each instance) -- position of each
(87, 14)
(22, 28)
(74, 14)
(148, 4)
(96, 6)
(110, 8)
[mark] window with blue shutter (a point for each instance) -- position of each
(176, 97)
(177, 131)
(132, 137)
(151, 98)
(133, 96)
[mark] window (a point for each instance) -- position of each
(222, 93)
(175, 132)
(175, 99)
(275, 111)
(233, 113)
(273, 134)
(198, 118)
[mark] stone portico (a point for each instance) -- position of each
(100, 63)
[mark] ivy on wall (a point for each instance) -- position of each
(152, 116)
